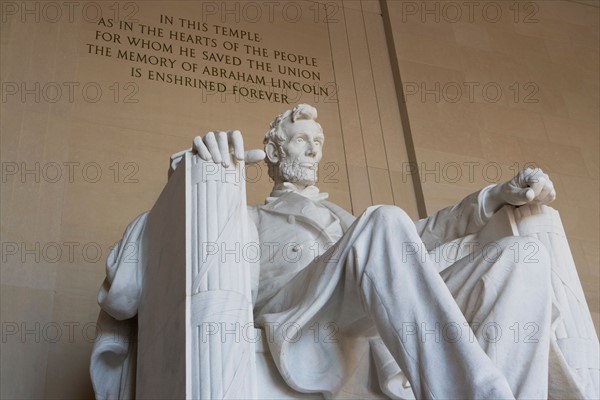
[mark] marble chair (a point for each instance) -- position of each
(176, 319)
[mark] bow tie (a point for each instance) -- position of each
(311, 192)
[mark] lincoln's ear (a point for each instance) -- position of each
(271, 152)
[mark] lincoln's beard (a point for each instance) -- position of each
(292, 171)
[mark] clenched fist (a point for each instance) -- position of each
(530, 185)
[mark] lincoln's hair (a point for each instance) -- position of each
(276, 136)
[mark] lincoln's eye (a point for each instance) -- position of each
(299, 140)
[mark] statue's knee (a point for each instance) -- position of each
(520, 252)
(525, 249)
(389, 214)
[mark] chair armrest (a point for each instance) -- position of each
(526, 220)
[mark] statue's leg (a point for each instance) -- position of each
(504, 291)
(413, 309)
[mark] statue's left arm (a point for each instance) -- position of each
(474, 211)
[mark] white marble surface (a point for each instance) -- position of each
(382, 281)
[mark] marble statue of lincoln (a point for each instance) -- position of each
(372, 277)
(374, 272)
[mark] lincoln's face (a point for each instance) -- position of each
(302, 151)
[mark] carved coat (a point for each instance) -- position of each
(315, 356)
(318, 343)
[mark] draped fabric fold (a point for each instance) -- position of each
(113, 360)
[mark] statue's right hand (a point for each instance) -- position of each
(219, 146)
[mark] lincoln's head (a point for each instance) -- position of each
(294, 145)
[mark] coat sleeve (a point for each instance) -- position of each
(120, 293)
(456, 221)
(113, 358)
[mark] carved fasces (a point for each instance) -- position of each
(222, 364)
(194, 291)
